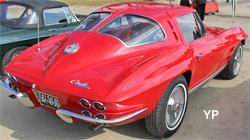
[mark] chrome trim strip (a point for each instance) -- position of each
(23, 39)
(74, 15)
(22, 97)
(194, 89)
(65, 114)
(68, 21)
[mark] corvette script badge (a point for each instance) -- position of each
(77, 83)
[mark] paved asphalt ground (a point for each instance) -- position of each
(230, 97)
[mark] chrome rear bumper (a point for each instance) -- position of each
(67, 117)
(22, 97)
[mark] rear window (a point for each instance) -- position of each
(134, 30)
(12, 14)
(92, 21)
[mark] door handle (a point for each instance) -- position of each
(52, 30)
(198, 57)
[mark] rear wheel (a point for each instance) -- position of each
(169, 112)
(11, 55)
(233, 67)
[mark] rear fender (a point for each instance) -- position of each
(146, 84)
(231, 38)
(43, 44)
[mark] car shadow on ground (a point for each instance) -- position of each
(20, 122)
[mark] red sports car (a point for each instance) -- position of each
(126, 62)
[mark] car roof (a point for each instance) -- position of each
(150, 9)
(41, 4)
(37, 6)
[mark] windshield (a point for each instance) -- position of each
(17, 15)
(92, 21)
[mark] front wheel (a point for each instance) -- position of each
(11, 55)
(169, 112)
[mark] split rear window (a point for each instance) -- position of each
(134, 30)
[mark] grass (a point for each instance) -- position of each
(97, 2)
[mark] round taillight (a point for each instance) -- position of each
(85, 103)
(16, 88)
(100, 116)
(13, 78)
(11, 85)
(99, 106)
(86, 113)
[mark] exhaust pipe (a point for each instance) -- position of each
(12, 96)
(94, 127)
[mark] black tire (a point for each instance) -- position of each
(157, 122)
(233, 67)
(9, 56)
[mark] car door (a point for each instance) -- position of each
(59, 20)
(206, 48)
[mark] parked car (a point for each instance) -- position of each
(126, 62)
(18, 25)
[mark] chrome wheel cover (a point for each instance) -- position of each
(176, 106)
(16, 54)
(237, 60)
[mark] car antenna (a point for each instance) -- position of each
(38, 38)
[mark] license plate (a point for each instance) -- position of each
(47, 100)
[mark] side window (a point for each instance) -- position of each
(134, 30)
(200, 24)
(189, 27)
(53, 16)
(69, 14)
(29, 17)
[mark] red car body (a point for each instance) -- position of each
(127, 81)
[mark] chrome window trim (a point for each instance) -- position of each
(63, 8)
(127, 46)
(96, 24)
(197, 20)
(74, 15)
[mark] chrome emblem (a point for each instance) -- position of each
(77, 83)
(71, 48)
